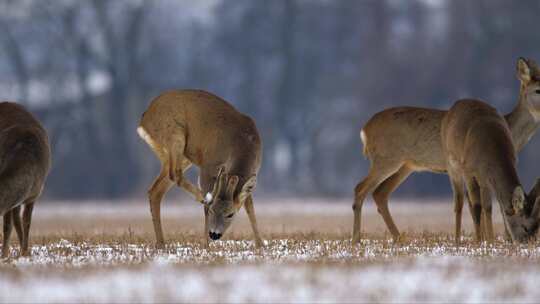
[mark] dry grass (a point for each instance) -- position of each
(90, 226)
(66, 235)
(280, 217)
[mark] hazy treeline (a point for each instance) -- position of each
(311, 72)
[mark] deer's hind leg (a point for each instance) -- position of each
(16, 218)
(26, 222)
(475, 206)
(457, 187)
(379, 171)
(382, 194)
(157, 191)
(8, 225)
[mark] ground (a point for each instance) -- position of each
(104, 252)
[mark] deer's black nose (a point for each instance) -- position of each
(214, 236)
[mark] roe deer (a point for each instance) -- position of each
(187, 127)
(25, 163)
(480, 154)
(399, 141)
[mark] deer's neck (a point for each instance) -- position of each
(522, 124)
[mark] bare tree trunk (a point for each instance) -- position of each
(122, 67)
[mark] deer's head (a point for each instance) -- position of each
(529, 75)
(525, 220)
(225, 200)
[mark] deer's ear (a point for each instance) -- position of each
(518, 200)
(248, 187)
(250, 184)
(523, 70)
(535, 190)
(536, 209)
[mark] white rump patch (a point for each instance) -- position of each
(146, 137)
(363, 137)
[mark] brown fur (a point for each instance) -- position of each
(400, 141)
(187, 127)
(479, 152)
(24, 166)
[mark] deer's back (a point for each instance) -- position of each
(212, 127)
(24, 155)
(406, 134)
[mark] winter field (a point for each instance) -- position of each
(103, 252)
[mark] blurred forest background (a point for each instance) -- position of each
(311, 73)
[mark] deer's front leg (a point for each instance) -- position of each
(206, 240)
(182, 182)
(250, 210)
(178, 165)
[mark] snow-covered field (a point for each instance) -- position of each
(307, 258)
(426, 279)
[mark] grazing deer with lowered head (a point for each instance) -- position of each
(186, 127)
(480, 154)
(24, 165)
(399, 141)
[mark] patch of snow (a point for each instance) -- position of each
(65, 254)
(453, 279)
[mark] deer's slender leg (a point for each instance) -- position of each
(185, 184)
(159, 188)
(457, 187)
(7, 233)
(383, 192)
(475, 206)
(377, 174)
(507, 236)
(250, 210)
(16, 218)
(26, 221)
(485, 196)
(190, 188)
(207, 240)
(179, 164)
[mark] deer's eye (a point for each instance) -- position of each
(230, 215)
(537, 91)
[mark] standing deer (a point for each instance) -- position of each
(186, 127)
(399, 141)
(480, 154)
(24, 165)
